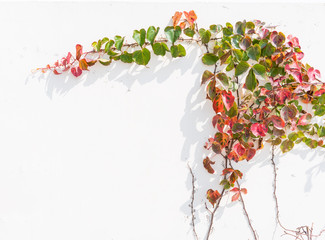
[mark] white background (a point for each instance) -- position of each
(104, 156)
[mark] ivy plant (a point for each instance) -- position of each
(260, 90)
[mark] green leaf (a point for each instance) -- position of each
(319, 110)
(177, 51)
(189, 32)
(108, 45)
(105, 62)
(206, 76)
(241, 68)
(141, 57)
(230, 66)
(139, 36)
(209, 59)
(238, 54)
(321, 99)
(205, 35)
(126, 57)
(159, 49)
(251, 82)
(321, 132)
(228, 30)
(240, 28)
(172, 34)
(287, 145)
(152, 33)
(259, 69)
(119, 42)
(235, 40)
(216, 28)
(223, 79)
(293, 136)
(268, 50)
(254, 52)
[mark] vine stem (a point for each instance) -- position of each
(301, 231)
(212, 213)
(245, 210)
(192, 203)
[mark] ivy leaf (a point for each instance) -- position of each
(83, 64)
(216, 28)
(126, 57)
(76, 71)
(237, 127)
(223, 79)
(160, 48)
(78, 51)
(222, 139)
(213, 196)
(251, 82)
(205, 35)
(119, 42)
(224, 57)
(259, 129)
(139, 36)
(206, 76)
(172, 34)
(240, 28)
(241, 68)
(319, 110)
(321, 131)
(209, 59)
(250, 153)
(239, 149)
(277, 122)
(238, 54)
(217, 103)
(289, 112)
(108, 46)
(189, 32)
(254, 52)
(293, 136)
(259, 69)
(105, 62)
(152, 33)
(177, 51)
(228, 99)
(207, 165)
(233, 111)
(141, 57)
(216, 147)
(286, 145)
(245, 43)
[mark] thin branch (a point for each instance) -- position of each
(192, 203)
(245, 210)
(217, 205)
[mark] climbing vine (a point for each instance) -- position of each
(260, 91)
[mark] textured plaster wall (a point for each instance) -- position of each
(105, 156)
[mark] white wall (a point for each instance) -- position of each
(105, 156)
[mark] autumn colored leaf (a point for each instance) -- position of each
(207, 165)
(282, 95)
(239, 149)
(78, 51)
(233, 156)
(177, 16)
(218, 121)
(277, 121)
(228, 99)
(83, 64)
(222, 139)
(304, 119)
(190, 17)
(259, 129)
(218, 104)
(76, 71)
(206, 76)
(227, 170)
(250, 153)
(216, 147)
(289, 112)
(313, 74)
(237, 192)
(213, 196)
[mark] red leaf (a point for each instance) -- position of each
(239, 149)
(304, 119)
(277, 122)
(76, 71)
(259, 129)
(227, 170)
(235, 197)
(228, 99)
(207, 165)
(209, 144)
(213, 196)
(56, 72)
(283, 95)
(250, 153)
(219, 121)
(233, 156)
(243, 190)
(218, 104)
(235, 189)
(313, 74)
(78, 51)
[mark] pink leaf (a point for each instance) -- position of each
(250, 153)
(277, 122)
(259, 129)
(304, 119)
(76, 71)
(239, 149)
(313, 74)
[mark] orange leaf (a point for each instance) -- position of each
(83, 64)
(213, 196)
(78, 51)
(207, 165)
(235, 197)
(177, 16)
(190, 17)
